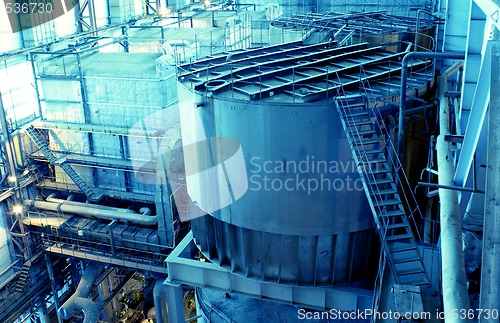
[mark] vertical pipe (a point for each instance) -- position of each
(402, 90)
(158, 295)
(455, 295)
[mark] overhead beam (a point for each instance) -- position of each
(491, 9)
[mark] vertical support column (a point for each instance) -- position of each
(43, 316)
(11, 168)
(104, 289)
(490, 273)
(52, 284)
(175, 306)
(92, 17)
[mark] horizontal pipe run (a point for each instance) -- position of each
(95, 206)
(84, 209)
(449, 187)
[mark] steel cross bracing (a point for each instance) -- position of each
(37, 139)
(364, 128)
(302, 73)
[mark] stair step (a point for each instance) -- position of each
(373, 160)
(383, 192)
(357, 114)
(366, 132)
(402, 248)
(358, 123)
(353, 105)
(413, 271)
(388, 202)
(366, 142)
(399, 237)
(377, 181)
(376, 170)
(373, 151)
(406, 260)
(393, 213)
(397, 226)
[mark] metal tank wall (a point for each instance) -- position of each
(320, 236)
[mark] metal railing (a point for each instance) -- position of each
(409, 201)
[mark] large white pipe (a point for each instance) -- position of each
(95, 206)
(455, 295)
(79, 300)
(93, 211)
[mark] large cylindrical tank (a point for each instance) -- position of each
(304, 217)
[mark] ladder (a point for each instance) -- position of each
(44, 148)
(369, 152)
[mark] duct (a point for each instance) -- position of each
(79, 301)
(158, 293)
(97, 211)
(402, 90)
(455, 295)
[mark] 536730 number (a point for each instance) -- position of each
(29, 7)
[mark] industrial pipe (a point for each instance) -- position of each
(95, 206)
(158, 294)
(79, 301)
(455, 295)
(95, 210)
(402, 90)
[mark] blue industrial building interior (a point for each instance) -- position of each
(249, 161)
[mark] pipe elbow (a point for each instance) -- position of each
(89, 309)
(78, 301)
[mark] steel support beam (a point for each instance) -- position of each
(491, 9)
(490, 273)
(184, 270)
(175, 305)
(478, 110)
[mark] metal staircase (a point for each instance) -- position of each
(379, 170)
(23, 277)
(44, 148)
